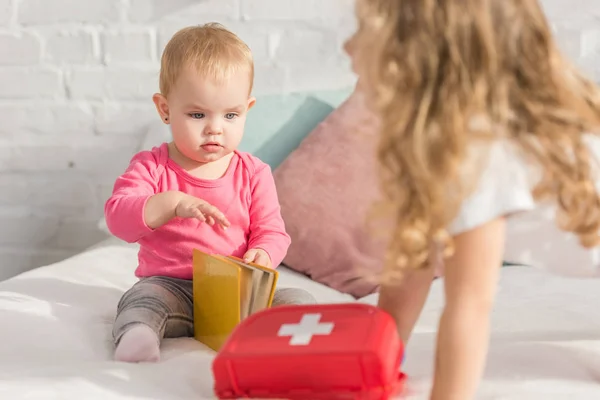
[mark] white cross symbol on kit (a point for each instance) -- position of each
(303, 332)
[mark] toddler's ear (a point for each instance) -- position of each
(251, 102)
(162, 106)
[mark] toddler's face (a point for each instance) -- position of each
(207, 117)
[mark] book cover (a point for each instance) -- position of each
(227, 290)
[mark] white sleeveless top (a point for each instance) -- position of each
(532, 238)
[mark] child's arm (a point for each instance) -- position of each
(404, 300)
(267, 229)
(471, 277)
(124, 210)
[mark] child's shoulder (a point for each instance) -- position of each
(503, 180)
(149, 163)
(153, 158)
(252, 164)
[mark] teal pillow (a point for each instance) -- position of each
(278, 123)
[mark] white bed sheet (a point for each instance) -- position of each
(56, 324)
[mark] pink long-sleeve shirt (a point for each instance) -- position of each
(246, 194)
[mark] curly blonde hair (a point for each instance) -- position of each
(431, 67)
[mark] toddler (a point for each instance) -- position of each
(482, 118)
(197, 191)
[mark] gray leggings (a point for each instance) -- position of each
(165, 305)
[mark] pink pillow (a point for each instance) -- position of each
(327, 187)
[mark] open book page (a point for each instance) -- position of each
(256, 287)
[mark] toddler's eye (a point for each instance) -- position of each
(230, 115)
(197, 115)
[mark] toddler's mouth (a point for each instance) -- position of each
(211, 147)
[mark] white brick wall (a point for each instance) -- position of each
(76, 79)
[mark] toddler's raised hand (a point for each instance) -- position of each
(193, 207)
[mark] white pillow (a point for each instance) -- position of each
(155, 134)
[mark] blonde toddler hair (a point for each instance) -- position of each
(211, 49)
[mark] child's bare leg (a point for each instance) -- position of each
(153, 308)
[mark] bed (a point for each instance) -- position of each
(56, 323)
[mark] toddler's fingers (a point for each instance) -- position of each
(217, 215)
(250, 255)
(198, 214)
(261, 259)
(222, 220)
(210, 220)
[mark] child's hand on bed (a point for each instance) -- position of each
(193, 207)
(258, 256)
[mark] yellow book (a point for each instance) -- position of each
(226, 290)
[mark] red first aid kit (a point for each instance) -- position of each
(312, 352)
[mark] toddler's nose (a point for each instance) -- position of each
(214, 128)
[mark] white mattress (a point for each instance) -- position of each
(56, 324)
